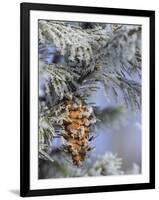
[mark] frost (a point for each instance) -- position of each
(75, 60)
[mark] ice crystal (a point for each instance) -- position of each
(107, 164)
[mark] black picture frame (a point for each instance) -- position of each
(25, 9)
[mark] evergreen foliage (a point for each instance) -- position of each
(74, 59)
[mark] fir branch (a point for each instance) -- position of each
(108, 164)
(60, 80)
(45, 155)
(77, 44)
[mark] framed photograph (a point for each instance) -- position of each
(87, 99)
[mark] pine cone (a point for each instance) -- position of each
(77, 130)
